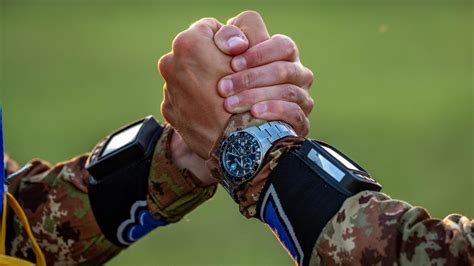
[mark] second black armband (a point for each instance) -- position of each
(305, 191)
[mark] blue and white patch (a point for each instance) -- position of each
(140, 223)
(273, 214)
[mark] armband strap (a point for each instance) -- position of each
(150, 193)
(297, 203)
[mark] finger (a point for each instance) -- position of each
(244, 100)
(287, 112)
(271, 74)
(278, 48)
(231, 40)
(185, 42)
(251, 23)
(207, 25)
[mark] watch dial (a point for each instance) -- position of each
(240, 157)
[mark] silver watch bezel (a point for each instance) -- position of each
(265, 135)
(257, 163)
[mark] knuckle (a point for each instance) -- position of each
(206, 26)
(257, 57)
(204, 23)
(182, 42)
(310, 104)
(290, 93)
(164, 64)
(299, 117)
(250, 14)
(247, 79)
(282, 70)
(287, 45)
(310, 77)
(289, 71)
(300, 120)
(294, 72)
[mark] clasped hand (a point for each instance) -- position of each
(216, 70)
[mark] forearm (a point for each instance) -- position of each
(58, 204)
(147, 192)
(319, 223)
(373, 228)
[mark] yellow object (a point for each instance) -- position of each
(9, 200)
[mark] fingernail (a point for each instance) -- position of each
(239, 63)
(235, 41)
(232, 101)
(226, 86)
(260, 108)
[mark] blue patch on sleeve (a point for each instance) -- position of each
(273, 214)
(146, 224)
(272, 219)
(140, 223)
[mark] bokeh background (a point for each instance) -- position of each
(393, 90)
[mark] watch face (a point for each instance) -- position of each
(240, 156)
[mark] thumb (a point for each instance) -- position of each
(231, 40)
(251, 23)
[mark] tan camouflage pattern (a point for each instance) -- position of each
(249, 193)
(373, 229)
(370, 228)
(173, 192)
(56, 203)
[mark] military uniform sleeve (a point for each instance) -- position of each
(55, 200)
(319, 225)
(372, 228)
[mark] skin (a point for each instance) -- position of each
(251, 71)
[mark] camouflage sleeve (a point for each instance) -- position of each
(371, 228)
(56, 202)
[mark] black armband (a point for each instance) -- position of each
(305, 190)
(118, 186)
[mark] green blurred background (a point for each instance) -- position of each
(393, 90)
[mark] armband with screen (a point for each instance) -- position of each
(118, 186)
(305, 190)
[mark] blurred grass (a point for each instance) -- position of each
(393, 90)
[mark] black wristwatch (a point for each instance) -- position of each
(242, 152)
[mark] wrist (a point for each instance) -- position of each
(244, 155)
(174, 191)
(309, 184)
(250, 193)
(184, 158)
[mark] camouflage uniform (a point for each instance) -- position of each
(56, 203)
(370, 228)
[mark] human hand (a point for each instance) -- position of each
(191, 71)
(253, 26)
(270, 80)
